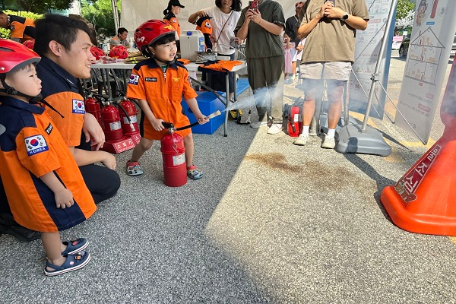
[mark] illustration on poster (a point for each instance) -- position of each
(421, 11)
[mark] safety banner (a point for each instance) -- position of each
(367, 49)
(431, 40)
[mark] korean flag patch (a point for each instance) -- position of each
(134, 79)
(78, 106)
(35, 144)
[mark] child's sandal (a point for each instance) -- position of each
(74, 246)
(73, 262)
(194, 173)
(134, 169)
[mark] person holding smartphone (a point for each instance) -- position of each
(224, 17)
(262, 23)
(329, 27)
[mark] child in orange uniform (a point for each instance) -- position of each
(158, 83)
(44, 186)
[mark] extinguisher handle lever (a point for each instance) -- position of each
(168, 125)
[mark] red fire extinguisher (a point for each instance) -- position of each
(111, 123)
(173, 152)
(128, 117)
(294, 121)
(93, 107)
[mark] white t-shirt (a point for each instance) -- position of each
(218, 22)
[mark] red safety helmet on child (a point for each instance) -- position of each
(149, 32)
(14, 56)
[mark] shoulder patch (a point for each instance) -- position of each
(35, 144)
(78, 106)
(134, 79)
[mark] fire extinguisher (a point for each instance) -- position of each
(173, 152)
(111, 123)
(92, 106)
(128, 117)
(294, 121)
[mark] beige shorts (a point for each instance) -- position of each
(326, 70)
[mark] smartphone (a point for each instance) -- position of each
(253, 5)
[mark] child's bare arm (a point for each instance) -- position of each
(63, 196)
(193, 105)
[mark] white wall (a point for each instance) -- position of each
(135, 12)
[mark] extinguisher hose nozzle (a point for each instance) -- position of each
(216, 113)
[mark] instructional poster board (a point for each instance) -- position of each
(367, 49)
(427, 59)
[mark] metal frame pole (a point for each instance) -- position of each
(374, 78)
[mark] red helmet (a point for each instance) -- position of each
(29, 43)
(119, 51)
(97, 52)
(148, 32)
(14, 55)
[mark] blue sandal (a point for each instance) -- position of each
(194, 173)
(73, 262)
(75, 246)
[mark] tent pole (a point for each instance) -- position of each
(115, 14)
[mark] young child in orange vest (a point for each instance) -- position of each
(158, 83)
(43, 184)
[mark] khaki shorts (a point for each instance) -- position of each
(326, 70)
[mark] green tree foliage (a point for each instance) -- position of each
(403, 8)
(4, 33)
(9, 5)
(43, 6)
(99, 13)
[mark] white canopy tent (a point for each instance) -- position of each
(135, 12)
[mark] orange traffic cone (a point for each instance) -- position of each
(424, 199)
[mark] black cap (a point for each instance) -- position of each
(175, 3)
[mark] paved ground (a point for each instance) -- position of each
(269, 223)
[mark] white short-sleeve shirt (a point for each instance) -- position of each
(223, 26)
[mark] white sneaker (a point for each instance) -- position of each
(301, 140)
(275, 129)
(258, 124)
(329, 142)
